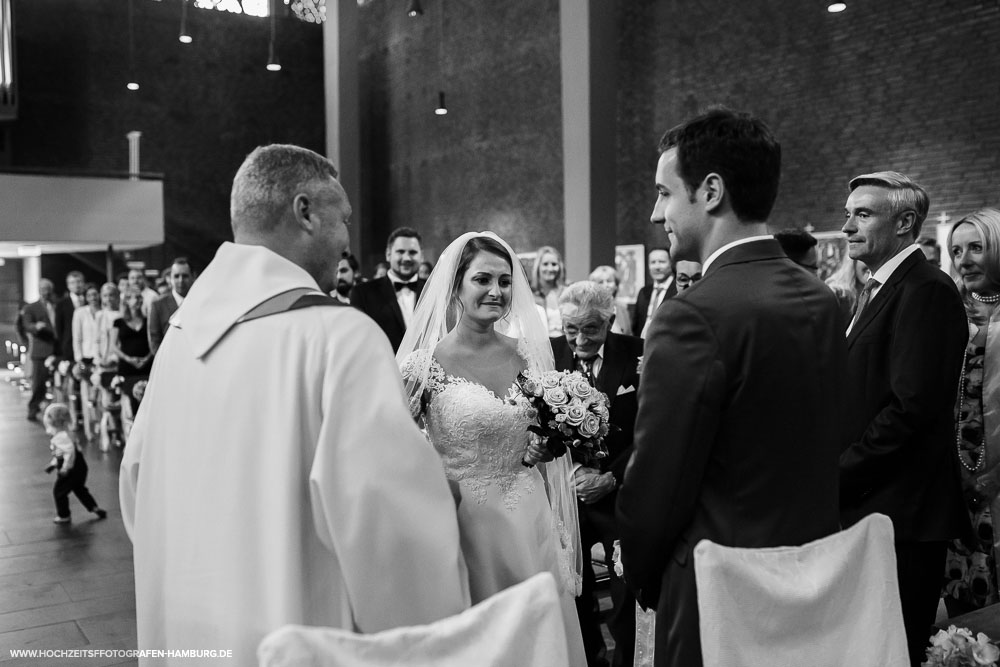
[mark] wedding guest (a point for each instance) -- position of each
(348, 271)
(931, 249)
(390, 300)
(424, 270)
(137, 281)
(590, 345)
(548, 279)
(737, 373)
(686, 274)
(130, 344)
(899, 458)
(181, 278)
(608, 277)
(65, 307)
(847, 282)
(86, 345)
(110, 312)
(122, 281)
(381, 269)
(474, 332)
(38, 320)
(974, 244)
(296, 488)
(800, 246)
(652, 295)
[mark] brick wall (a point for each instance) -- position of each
(495, 161)
(913, 87)
(201, 107)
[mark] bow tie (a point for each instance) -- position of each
(399, 285)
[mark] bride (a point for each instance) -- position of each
(474, 330)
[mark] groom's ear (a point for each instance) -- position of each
(712, 191)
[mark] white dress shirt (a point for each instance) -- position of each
(406, 297)
(885, 272)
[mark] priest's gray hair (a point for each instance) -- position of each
(268, 181)
(589, 297)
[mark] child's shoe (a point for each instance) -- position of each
(61, 519)
(101, 514)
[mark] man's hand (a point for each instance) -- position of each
(591, 485)
(536, 452)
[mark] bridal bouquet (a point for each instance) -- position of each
(955, 647)
(568, 410)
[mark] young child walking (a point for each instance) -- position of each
(68, 461)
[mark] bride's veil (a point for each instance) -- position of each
(436, 313)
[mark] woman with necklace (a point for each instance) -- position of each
(974, 245)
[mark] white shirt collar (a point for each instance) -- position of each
(177, 297)
(664, 285)
(394, 277)
(886, 270)
(715, 255)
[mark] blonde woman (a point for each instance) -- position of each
(548, 279)
(847, 282)
(974, 248)
(608, 277)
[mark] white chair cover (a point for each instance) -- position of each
(831, 602)
(519, 626)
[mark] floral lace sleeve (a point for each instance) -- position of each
(422, 377)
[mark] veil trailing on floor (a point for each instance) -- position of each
(436, 314)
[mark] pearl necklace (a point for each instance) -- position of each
(985, 299)
(958, 424)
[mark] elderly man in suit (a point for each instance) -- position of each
(181, 278)
(611, 362)
(905, 346)
(737, 435)
(38, 319)
(65, 307)
(391, 299)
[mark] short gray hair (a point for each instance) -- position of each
(904, 194)
(589, 297)
(267, 182)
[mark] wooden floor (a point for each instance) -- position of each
(61, 586)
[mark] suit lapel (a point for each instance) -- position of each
(612, 369)
(883, 297)
(390, 301)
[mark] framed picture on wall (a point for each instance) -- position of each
(831, 247)
(630, 262)
(527, 260)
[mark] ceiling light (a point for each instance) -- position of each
(441, 110)
(132, 85)
(836, 7)
(414, 9)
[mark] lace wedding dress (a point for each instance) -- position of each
(508, 532)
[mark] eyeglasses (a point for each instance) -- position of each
(588, 331)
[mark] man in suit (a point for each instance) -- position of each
(391, 299)
(905, 346)
(181, 278)
(611, 360)
(348, 273)
(737, 436)
(652, 296)
(65, 307)
(39, 323)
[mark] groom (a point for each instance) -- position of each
(737, 436)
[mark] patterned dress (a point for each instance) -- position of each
(970, 572)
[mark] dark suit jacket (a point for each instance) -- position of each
(64, 327)
(642, 304)
(618, 371)
(904, 362)
(159, 319)
(737, 437)
(377, 299)
(42, 343)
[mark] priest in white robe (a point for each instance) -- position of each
(273, 474)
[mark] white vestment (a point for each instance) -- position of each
(274, 475)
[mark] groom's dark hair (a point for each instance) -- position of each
(737, 147)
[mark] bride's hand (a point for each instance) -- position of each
(536, 452)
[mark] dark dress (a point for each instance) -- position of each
(135, 343)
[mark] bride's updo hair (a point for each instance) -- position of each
(476, 245)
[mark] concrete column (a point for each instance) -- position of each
(31, 273)
(589, 53)
(343, 132)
